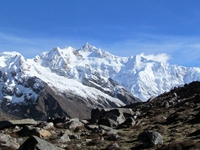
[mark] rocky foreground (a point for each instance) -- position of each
(167, 122)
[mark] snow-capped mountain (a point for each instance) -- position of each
(88, 75)
(61, 79)
(141, 75)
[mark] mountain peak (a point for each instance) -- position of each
(11, 54)
(88, 47)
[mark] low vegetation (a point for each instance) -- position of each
(174, 115)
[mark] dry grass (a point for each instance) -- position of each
(79, 128)
(158, 119)
(182, 145)
(69, 148)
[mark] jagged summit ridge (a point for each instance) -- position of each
(144, 76)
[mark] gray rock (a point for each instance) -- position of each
(172, 101)
(27, 131)
(95, 115)
(16, 129)
(116, 115)
(5, 78)
(42, 133)
(114, 146)
(112, 132)
(85, 122)
(106, 128)
(138, 113)
(111, 117)
(88, 140)
(75, 136)
(97, 130)
(49, 125)
(10, 123)
(57, 120)
(166, 104)
(7, 90)
(74, 123)
(30, 131)
(91, 127)
(36, 143)
(6, 101)
(9, 141)
(17, 92)
(150, 138)
(68, 132)
(64, 138)
(108, 122)
(129, 122)
(113, 137)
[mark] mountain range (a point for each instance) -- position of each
(71, 82)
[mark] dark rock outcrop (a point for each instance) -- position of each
(50, 103)
(115, 90)
(110, 117)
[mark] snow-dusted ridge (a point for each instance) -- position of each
(86, 72)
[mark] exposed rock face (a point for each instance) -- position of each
(115, 89)
(51, 104)
(36, 84)
(6, 116)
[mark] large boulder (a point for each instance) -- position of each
(36, 143)
(150, 138)
(43, 133)
(22, 122)
(64, 138)
(110, 116)
(129, 122)
(95, 115)
(73, 123)
(30, 131)
(8, 141)
(108, 122)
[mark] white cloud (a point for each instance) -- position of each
(175, 49)
(159, 57)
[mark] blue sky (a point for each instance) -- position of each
(122, 27)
